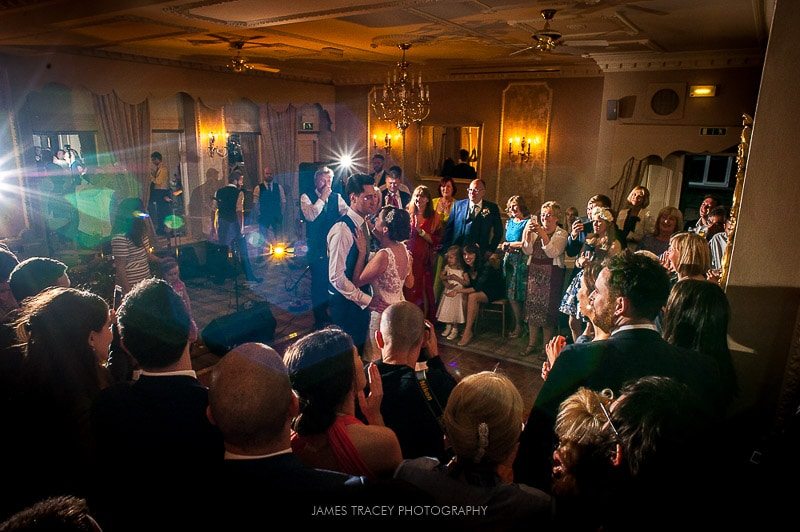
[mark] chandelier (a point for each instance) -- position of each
(402, 99)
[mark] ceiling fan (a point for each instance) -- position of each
(240, 64)
(547, 39)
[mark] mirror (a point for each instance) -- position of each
(436, 143)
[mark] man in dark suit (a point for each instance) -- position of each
(252, 403)
(155, 427)
(463, 170)
(393, 195)
(628, 295)
(474, 221)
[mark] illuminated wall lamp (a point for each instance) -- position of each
(702, 91)
(524, 153)
(387, 143)
(213, 149)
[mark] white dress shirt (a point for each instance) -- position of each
(312, 210)
(340, 240)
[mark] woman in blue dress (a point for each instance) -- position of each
(515, 263)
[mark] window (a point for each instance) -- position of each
(712, 171)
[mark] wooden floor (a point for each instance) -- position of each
(286, 285)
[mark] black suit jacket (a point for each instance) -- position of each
(156, 420)
(405, 198)
(626, 356)
(485, 229)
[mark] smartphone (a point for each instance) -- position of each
(117, 296)
(534, 218)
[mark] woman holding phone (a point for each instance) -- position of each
(544, 243)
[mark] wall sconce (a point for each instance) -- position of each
(702, 91)
(523, 154)
(213, 149)
(387, 143)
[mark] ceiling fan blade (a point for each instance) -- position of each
(263, 68)
(201, 42)
(586, 43)
(522, 51)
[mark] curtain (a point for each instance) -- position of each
(127, 131)
(279, 131)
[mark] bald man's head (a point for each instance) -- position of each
(402, 325)
(250, 396)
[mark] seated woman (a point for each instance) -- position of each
(578, 471)
(669, 221)
(696, 317)
(486, 285)
(483, 421)
(327, 375)
(688, 256)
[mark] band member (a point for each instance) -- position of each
(229, 218)
(159, 192)
(269, 202)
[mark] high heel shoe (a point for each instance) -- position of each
(465, 339)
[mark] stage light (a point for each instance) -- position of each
(279, 250)
(346, 161)
(140, 214)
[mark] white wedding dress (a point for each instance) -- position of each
(387, 289)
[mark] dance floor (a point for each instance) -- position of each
(286, 287)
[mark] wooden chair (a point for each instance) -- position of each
(495, 307)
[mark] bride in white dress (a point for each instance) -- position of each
(387, 270)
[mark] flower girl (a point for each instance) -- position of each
(451, 307)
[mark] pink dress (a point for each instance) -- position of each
(347, 457)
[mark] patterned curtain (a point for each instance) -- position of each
(127, 131)
(279, 131)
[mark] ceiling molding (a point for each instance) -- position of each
(628, 62)
(185, 10)
(487, 73)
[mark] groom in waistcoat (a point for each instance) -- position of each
(321, 209)
(348, 303)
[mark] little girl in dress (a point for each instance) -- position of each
(451, 307)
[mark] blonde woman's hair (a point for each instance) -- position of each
(580, 415)
(520, 202)
(645, 201)
(553, 206)
(670, 212)
(694, 255)
(483, 418)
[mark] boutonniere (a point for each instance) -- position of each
(485, 213)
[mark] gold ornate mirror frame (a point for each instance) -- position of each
(741, 163)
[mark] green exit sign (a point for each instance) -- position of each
(308, 126)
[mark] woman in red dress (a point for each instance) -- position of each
(426, 236)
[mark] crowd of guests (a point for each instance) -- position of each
(613, 440)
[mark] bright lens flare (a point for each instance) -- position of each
(346, 161)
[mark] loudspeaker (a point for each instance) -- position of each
(612, 109)
(255, 324)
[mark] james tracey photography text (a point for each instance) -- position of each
(391, 510)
